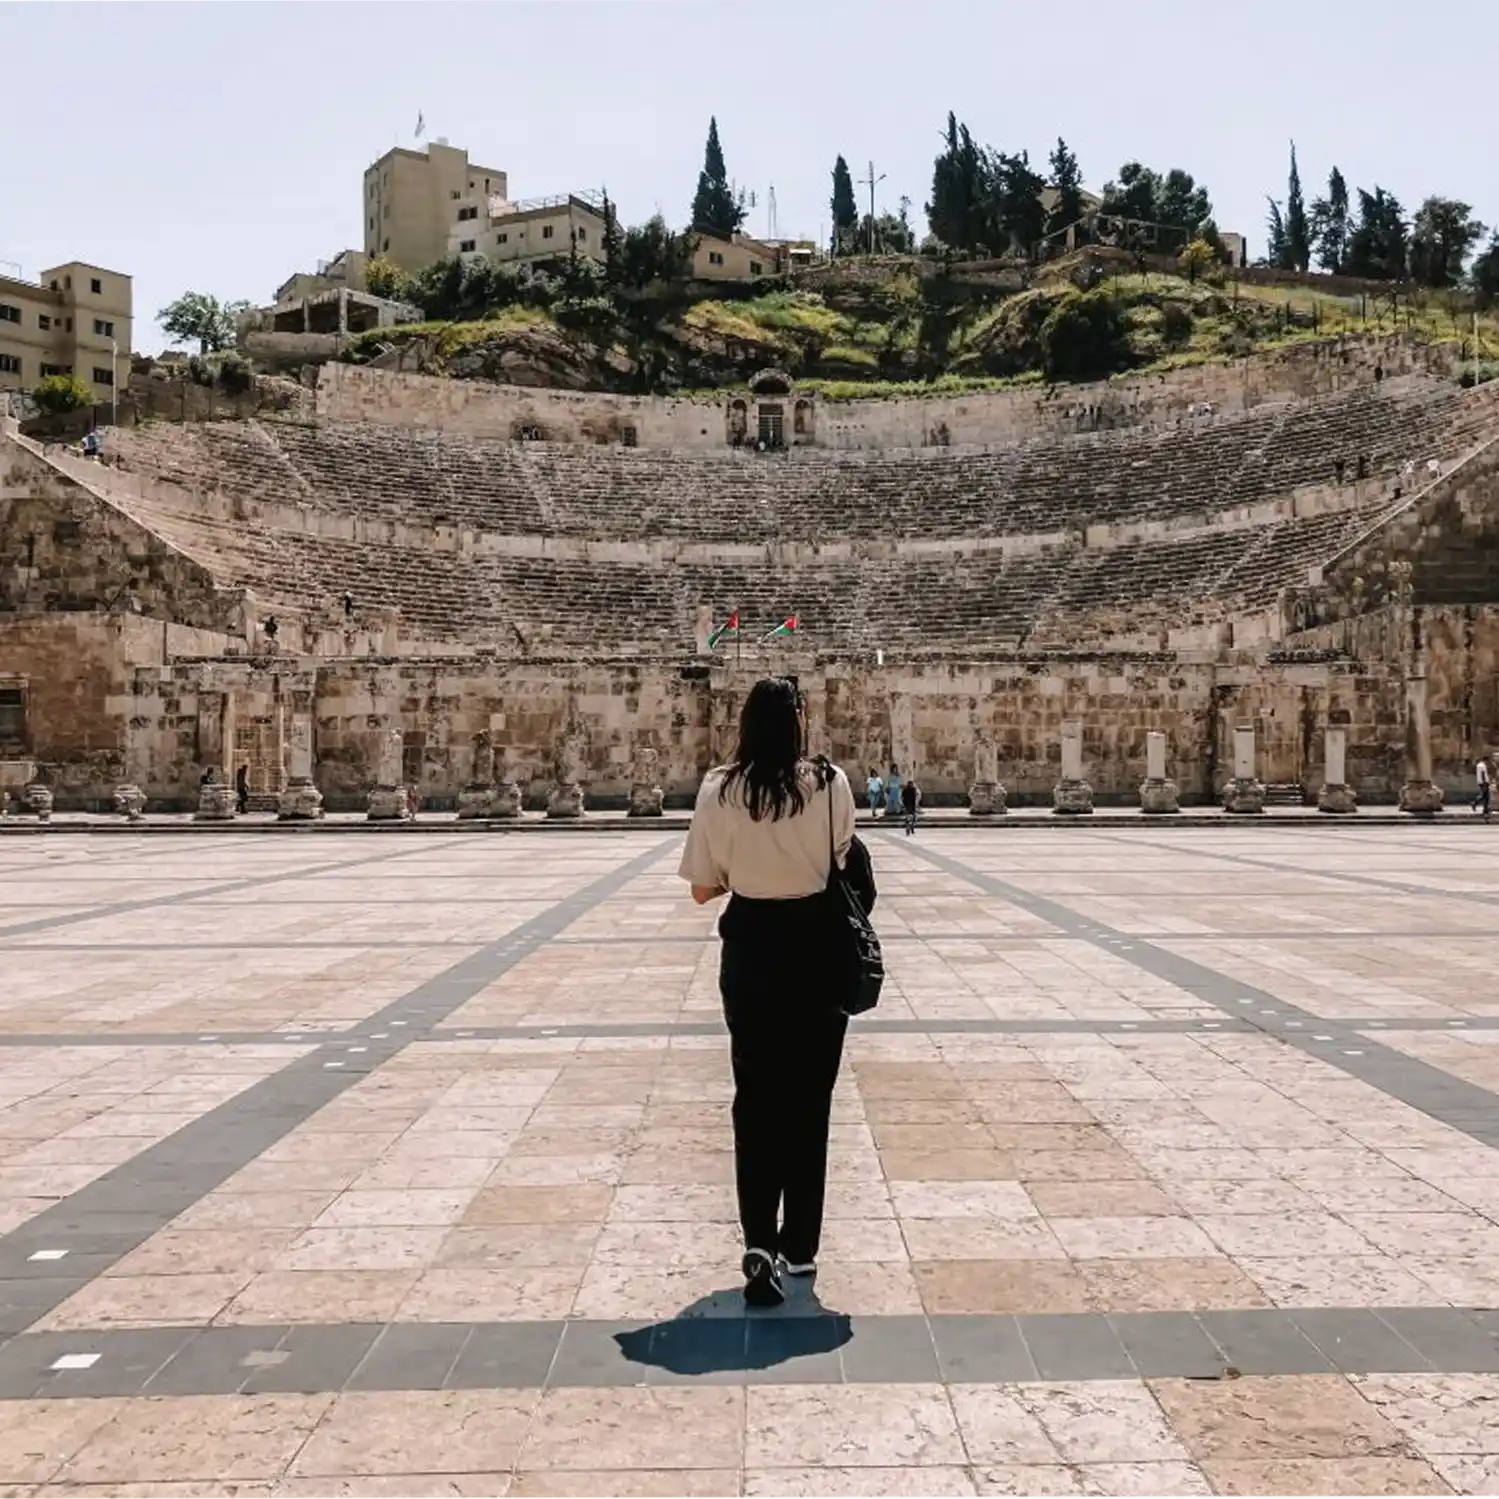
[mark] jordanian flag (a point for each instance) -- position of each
(786, 627)
(729, 627)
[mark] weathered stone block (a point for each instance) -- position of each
(1072, 798)
(130, 802)
(1421, 798)
(389, 804)
(1244, 795)
(215, 802)
(300, 802)
(1338, 800)
(565, 802)
(1158, 795)
(987, 799)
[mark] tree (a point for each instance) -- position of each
(59, 394)
(1083, 336)
(1485, 274)
(1275, 236)
(844, 205)
(891, 235)
(1015, 209)
(1067, 184)
(956, 212)
(1181, 203)
(1298, 251)
(1377, 247)
(384, 278)
(1442, 237)
(1135, 195)
(197, 315)
(716, 209)
(613, 241)
(652, 252)
(1329, 224)
(1198, 257)
(1174, 201)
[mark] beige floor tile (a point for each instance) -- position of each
(1103, 1421)
(1168, 1285)
(1143, 1478)
(1283, 1235)
(1329, 1475)
(176, 1251)
(1027, 1478)
(1140, 1238)
(142, 1300)
(178, 1490)
(1300, 1415)
(981, 1239)
(1468, 1475)
(998, 1428)
(399, 1486)
(205, 1439)
(538, 1293)
(845, 1426)
(624, 1292)
(868, 1289)
(493, 1245)
(1100, 1199)
(1340, 1280)
(384, 1248)
(253, 1210)
(1438, 1412)
(441, 1431)
(961, 1199)
(587, 1203)
(768, 1483)
(320, 1296)
(410, 1209)
(948, 1165)
(38, 1436)
(627, 1483)
(637, 1428)
(950, 1287)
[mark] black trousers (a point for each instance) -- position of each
(786, 1044)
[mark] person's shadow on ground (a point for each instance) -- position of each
(717, 1333)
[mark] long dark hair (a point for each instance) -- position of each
(770, 751)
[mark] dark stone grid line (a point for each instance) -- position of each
(1453, 1101)
(122, 1209)
(802, 1342)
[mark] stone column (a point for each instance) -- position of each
(388, 801)
(1420, 795)
(478, 796)
(1244, 793)
(129, 799)
(1336, 796)
(646, 797)
(216, 751)
(1072, 796)
(300, 801)
(507, 792)
(1157, 793)
(986, 797)
(566, 800)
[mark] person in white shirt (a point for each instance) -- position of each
(1484, 799)
(763, 832)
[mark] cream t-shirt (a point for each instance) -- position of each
(773, 859)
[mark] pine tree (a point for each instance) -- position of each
(1484, 276)
(845, 207)
(1329, 226)
(960, 196)
(1298, 247)
(1377, 247)
(1442, 237)
(613, 242)
(1275, 237)
(1018, 217)
(1067, 182)
(715, 208)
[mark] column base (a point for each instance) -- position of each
(1072, 798)
(389, 804)
(1421, 798)
(1158, 796)
(130, 801)
(476, 802)
(987, 799)
(215, 803)
(646, 801)
(1244, 797)
(1339, 800)
(300, 802)
(565, 804)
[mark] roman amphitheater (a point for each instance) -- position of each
(516, 586)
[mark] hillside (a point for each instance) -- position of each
(869, 328)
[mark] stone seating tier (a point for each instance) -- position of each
(496, 486)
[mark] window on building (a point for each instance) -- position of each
(546, 231)
(468, 213)
(103, 376)
(372, 223)
(465, 246)
(70, 325)
(13, 715)
(9, 365)
(48, 370)
(67, 283)
(486, 184)
(9, 314)
(502, 239)
(715, 257)
(385, 212)
(754, 268)
(43, 321)
(385, 246)
(454, 193)
(582, 232)
(471, 184)
(54, 283)
(104, 328)
(96, 286)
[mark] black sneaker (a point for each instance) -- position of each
(800, 1270)
(762, 1281)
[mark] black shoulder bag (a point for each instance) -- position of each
(858, 965)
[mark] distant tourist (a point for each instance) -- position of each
(206, 777)
(876, 789)
(242, 789)
(1483, 799)
(910, 801)
(892, 791)
(92, 443)
(764, 830)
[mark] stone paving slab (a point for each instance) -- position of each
(1167, 1165)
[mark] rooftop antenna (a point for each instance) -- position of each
(771, 227)
(871, 182)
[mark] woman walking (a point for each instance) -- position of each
(762, 832)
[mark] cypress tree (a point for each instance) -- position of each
(715, 209)
(845, 207)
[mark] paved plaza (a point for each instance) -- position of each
(400, 1164)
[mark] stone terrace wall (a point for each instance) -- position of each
(356, 393)
(926, 717)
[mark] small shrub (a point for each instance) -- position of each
(235, 374)
(1083, 337)
(1176, 325)
(199, 370)
(58, 394)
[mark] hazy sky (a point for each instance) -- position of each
(219, 147)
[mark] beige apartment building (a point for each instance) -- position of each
(534, 230)
(74, 320)
(740, 258)
(411, 200)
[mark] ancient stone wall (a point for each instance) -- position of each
(358, 393)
